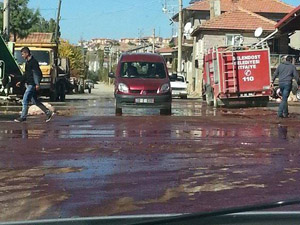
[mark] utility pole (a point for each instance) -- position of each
(110, 60)
(179, 69)
(153, 42)
(6, 13)
(57, 21)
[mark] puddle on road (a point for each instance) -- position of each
(86, 134)
(179, 130)
(23, 134)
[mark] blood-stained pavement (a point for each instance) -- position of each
(88, 162)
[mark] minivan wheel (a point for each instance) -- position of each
(165, 111)
(118, 111)
(183, 97)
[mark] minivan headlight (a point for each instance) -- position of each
(123, 88)
(164, 88)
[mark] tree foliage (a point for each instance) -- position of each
(1, 15)
(23, 20)
(75, 55)
(44, 26)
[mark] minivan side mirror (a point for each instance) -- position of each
(111, 75)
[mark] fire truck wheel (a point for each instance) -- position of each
(216, 103)
(209, 102)
(209, 97)
(203, 92)
(261, 102)
(118, 111)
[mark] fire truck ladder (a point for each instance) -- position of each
(229, 70)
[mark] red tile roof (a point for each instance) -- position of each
(37, 38)
(257, 6)
(165, 50)
(237, 19)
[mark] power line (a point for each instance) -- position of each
(170, 8)
(48, 8)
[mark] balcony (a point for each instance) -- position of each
(276, 59)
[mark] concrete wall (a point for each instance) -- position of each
(215, 39)
(199, 54)
(187, 59)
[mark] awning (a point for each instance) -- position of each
(290, 22)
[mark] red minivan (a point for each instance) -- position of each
(142, 81)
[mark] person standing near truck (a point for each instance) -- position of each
(286, 72)
(32, 78)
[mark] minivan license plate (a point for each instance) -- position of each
(144, 100)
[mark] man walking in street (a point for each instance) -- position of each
(32, 78)
(286, 72)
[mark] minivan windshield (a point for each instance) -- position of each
(143, 70)
(41, 56)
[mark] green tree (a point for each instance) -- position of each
(25, 21)
(44, 26)
(103, 71)
(74, 53)
(1, 18)
(101, 57)
(1, 15)
(22, 19)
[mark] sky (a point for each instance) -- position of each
(87, 19)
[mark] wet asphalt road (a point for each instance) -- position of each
(88, 162)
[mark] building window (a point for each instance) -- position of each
(232, 39)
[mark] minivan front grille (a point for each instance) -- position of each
(135, 91)
(151, 91)
(143, 92)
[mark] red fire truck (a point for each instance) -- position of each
(237, 75)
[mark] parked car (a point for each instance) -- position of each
(89, 83)
(179, 86)
(74, 83)
(142, 81)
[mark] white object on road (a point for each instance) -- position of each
(34, 110)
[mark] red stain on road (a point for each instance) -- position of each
(95, 166)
